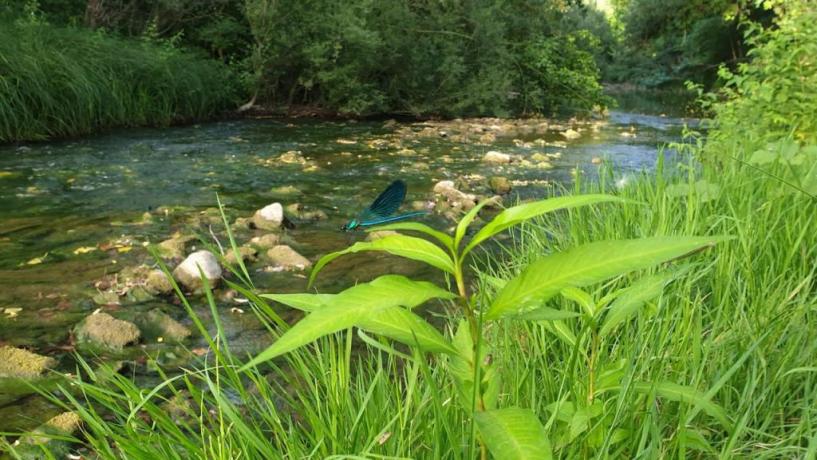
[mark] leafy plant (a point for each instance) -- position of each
(384, 307)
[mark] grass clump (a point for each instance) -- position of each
(58, 81)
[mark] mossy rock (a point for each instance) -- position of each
(17, 362)
(105, 331)
(156, 325)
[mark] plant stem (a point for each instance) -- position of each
(475, 336)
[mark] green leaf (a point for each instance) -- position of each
(312, 327)
(632, 299)
(301, 301)
(408, 292)
(417, 227)
(546, 314)
(400, 245)
(466, 220)
(513, 434)
(350, 308)
(404, 326)
(581, 297)
(588, 264)
(685, 394)
(518, 214)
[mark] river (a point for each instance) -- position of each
(75, 212)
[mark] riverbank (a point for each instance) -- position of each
(60, 82)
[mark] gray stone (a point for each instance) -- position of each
(247, 254)
(284, 258)
(265, 241)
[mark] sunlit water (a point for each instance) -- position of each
(58, 197)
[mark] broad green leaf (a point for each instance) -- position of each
(513, 434)
(494, 282)
(417, 227)
(301, 301)
(588, 264)
(546, 314)
(466, 220)
(685, 394)
(632, 299)
(400, 245)
(582, 416)
(461, 365)
(404, 326)
(518, 214)
(581, 297)
(350, 308)
(408, 292)
(562, 331)
(312, 327)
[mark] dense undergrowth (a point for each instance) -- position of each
(57, 82)
(716, 361)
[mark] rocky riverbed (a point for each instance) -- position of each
(96, 235)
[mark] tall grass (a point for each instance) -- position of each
(738, 327)
(57, 81)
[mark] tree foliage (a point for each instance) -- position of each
(666, 42)
(424, 57)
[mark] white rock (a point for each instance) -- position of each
(269, 217)
(188, 274)
(496, 157)
(444, 186)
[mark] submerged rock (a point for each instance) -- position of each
(265, 241)
(500, 185)
(174, 248)
(158, 325)
(246, 253)
(270, 217)
(17, 362)
(454, 198)
(292, 157)
(188, 273)
(299, 212)
(286, 190)
(104, 330)
(496, 157)
(64, 424)
(570, 134)
(158, 283)
(285, 258)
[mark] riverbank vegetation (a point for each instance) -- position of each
(359, 58)
(61, 81)
(706, 356)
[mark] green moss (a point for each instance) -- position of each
(16, 362)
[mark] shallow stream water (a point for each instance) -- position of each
(74, 212)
